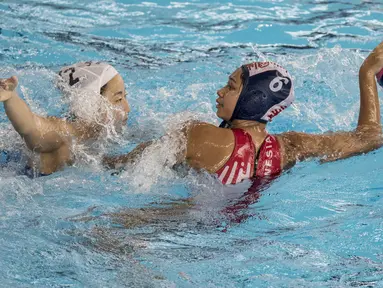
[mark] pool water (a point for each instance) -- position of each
(318, 225)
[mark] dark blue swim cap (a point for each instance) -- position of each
(267, 91)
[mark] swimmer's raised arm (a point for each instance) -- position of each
(40, 134)
(369, 114)
(216, 150)
(339, 145)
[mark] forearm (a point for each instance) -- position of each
(369, 115)
(116, 162)
(20, 115)
(368, 98)
(175, 144)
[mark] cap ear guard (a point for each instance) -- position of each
(254, 105)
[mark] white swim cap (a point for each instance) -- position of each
(88, 75)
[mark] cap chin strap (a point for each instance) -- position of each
(225, 124)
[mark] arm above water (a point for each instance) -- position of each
(328, 147)
(40, 134)
(175, 139)
(197, 143)
(339, 145)
(119, 161)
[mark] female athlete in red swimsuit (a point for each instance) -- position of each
(241, 147)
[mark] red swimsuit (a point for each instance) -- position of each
(240, 166)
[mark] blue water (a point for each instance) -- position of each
(315, 226)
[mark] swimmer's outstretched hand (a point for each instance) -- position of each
(374, 62)
(7, 88)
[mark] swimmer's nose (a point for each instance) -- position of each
(124, 117)
(220, 93)
(126, 106)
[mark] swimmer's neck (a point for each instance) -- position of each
(256, 129)
(248, 125)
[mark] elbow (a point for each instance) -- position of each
(33, 144)
(369, 139)
(369, 133)
(371, 129)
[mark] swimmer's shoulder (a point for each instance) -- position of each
(209, 147)
(208, 134)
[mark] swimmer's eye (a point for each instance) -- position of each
(231, 84)
(230, 87)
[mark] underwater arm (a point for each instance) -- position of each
(39, 133)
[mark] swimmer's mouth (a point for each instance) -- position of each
(218, 104)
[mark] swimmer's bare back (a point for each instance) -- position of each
(49, 137)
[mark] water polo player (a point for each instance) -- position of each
(50, 137)
(241, 147)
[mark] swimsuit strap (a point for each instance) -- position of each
(241, 162)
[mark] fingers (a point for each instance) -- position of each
(14, 80)
(9, 84)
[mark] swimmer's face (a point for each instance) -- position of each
(228, 95)
(115, 92)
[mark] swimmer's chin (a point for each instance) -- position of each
(223, 118)
(219, 115)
